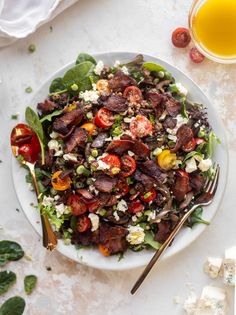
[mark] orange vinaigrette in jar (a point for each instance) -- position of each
(213, 28)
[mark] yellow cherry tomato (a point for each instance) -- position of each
(60, 184)
(70, 107)
(103, 250)
(103, 87)
(166, 160)
(90, 127)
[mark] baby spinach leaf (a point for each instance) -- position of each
(149, 240)
(33, 121)
(50, 116)
(80, 75)
(85, 57)
(7, 279)
(13, 306)
(10, 251)
(30, 283)
(196, 217)
(56, 86)
(152, 66)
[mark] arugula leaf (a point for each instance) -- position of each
(85, 57)
(50, 116)
(196, 217)
(33, 121)
(7, 279)
(191, 154)
(183, 110)
(149, 240)
(212, 140)
(10, 251)
(30, 283)
(13, 306)
(80, 75)
(116, 127)
(57, 86)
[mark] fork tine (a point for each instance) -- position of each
(210, 181)
(215, 182)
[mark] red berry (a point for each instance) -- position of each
(195, 55)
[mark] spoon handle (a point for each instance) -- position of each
(49, 237)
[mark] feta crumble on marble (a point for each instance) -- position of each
(94, 218)
(122, 205)
(99, 67)
(190, 304)
(70, 157)
(229, 265)
(212, 301)
(89, 96)
(136, 235)
(212, 267)
(182, 89)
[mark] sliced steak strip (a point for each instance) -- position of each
(197, 182)
(119, 147)
(170, 123)
(147, 181)
(150, 168)
(105, 183)
(77, 139)
(99, 141)
(163, 231)
(64, 123)
(47, 106)
(116, 103)
(181, 187)
(120, 81)
(173, 107)
(157, 101)
(140, 149)
(184, 135)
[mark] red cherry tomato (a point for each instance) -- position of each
(136, 206)
(26, 151)
(199, 140)
(114, 163)
(196, 56)
(30, 151)
(128, 165)
(181, 37)
(133, 94)
(122, 188)
(140, 126)
(190, 146)
(104, 118)
(77, 205)
(182, 173)
(21, 134)
(149, 196)
(92, 205)
(83, 223)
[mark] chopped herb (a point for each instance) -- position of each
(14, 116)
(129, 180)
(31, 48)
(18, 210)
(48, 268)
(30, 283)
(152, 119)
(28, 89)
(0, 161)
(147, 195)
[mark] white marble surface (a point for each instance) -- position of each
(131, 25)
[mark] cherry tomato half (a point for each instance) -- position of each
(133, 94)
(83, 223)
(21, 134)
(190, 146)
(114, 163)
(77, 205)
(182, 173)
(136, 206)
(199, 141)
(196, 56)
(104, 250)
(104, 118)
(90, 127)
(140, 126)
(128, 165)
(30, 151)
(181, 37)
(60, 184)
(122, 188)
(149, 196)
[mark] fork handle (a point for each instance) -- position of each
(162, 249)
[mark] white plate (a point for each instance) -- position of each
(92, 257)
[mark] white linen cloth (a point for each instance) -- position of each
(19, 18)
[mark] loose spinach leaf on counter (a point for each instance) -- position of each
(81, 75)
(30, 283)
(13, 306)
(50, 116)
(10, 251)
(7, 279)
(33, 121)
(57, 86)
(149, 239)
(85, 57)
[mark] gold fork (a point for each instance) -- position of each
(204, 199)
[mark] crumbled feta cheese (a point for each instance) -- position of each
(163, 116)
(122, 205)
(127, 120)
(191, 165)
(117, 137)
(102, 156)
(70, 157)
(109, 139)
(125, 70)
(212, 267)
(190, 304)
(181, 88)
(94, 218)
(60, 209)
(172, 138)
(130, 153)
(134, 218)
(229, 265)
(55, 145)
(99, 67)
(54, 135)
(89, 96)
(212, 301)
(180, 121)
(102, 165)
(117, 63)
(136, 235)
(116, 216)
(157, 151)
(151, 215)
(204, 165)
(47, 201)
(57, 197)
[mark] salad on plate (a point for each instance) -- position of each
(121, 153)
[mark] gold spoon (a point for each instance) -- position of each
(49, 237)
